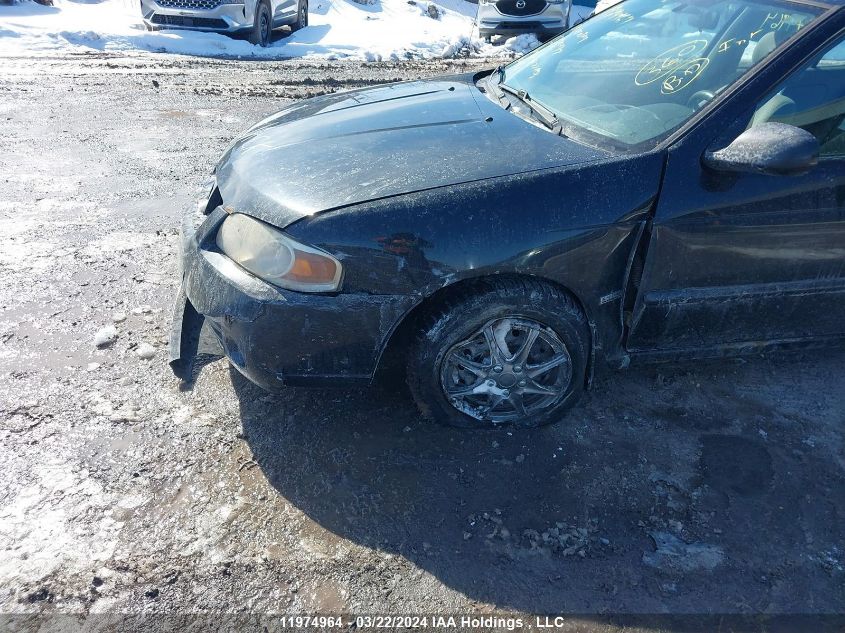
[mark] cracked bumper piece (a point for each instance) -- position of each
(184, 337)
(276, 337)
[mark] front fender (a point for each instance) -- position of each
(575, 227)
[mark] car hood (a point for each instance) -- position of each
(347, 148)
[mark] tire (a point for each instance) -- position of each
(456, 379)
(301, 18)
(263, 26)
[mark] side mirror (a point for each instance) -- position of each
(771, 148)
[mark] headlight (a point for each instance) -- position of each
(271, 255)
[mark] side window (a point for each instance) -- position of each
(812, 98)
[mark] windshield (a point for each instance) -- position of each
(637, 71)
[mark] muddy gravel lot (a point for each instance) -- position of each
(698, 488)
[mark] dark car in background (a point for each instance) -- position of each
(665, 180)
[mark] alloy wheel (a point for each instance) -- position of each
(509, 370)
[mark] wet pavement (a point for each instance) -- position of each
(696, 488)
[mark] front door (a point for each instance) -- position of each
(741, 259)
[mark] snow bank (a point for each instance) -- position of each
(603, 5)
(338, 29)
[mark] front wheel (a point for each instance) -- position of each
(262, 27)
(301, 18)
(511, 353)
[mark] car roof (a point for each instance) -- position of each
(833, 4)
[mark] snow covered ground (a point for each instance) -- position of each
(386, 30)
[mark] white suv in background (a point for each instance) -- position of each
(255, 18)
(545, 18)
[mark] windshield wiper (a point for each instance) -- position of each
(546, 116)
(500, 97)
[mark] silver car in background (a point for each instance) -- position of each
(254, 18)
(545, 18)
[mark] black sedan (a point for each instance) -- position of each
(665, 180)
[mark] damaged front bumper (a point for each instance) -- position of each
(274, 337)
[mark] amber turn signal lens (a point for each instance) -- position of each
(273, 256)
